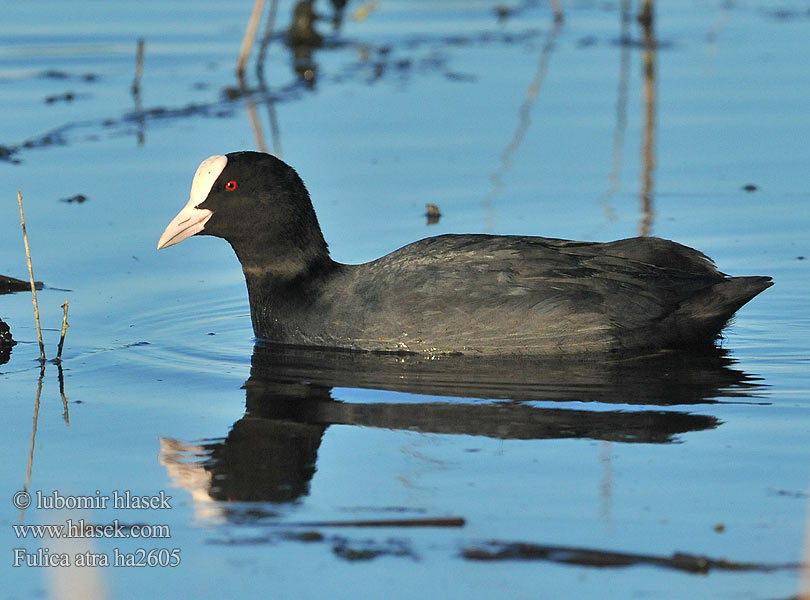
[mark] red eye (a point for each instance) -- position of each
(231, 185)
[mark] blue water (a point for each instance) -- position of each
(508, 126)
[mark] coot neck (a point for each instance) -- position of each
(282, 280)
(280, 264)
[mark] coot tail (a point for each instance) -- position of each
(704, 316)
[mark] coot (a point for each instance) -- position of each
(473, 294)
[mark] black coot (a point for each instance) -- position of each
(475, 294)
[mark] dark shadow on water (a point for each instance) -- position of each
(701, 376)
(270, 454)
(399, 61)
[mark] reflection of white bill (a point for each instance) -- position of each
(175, 456)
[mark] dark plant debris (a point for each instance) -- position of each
(303, 536)
(242, 541)
(61, 136)
(9, 285)
(55, 74)
(587, 41)
(416, 55)
(786, 14)
(345, 548)
(78, 199)
(588, 557)
(432, 213)
(388, 509)
(7, 153)
(354, 550)
(454, 76)
(789, 493)
(640, 43)
(66, 97)
(6, 341)
(503, 12)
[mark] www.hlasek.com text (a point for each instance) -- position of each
(82, 529)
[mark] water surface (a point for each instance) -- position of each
(510, 125)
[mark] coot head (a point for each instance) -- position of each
(257, 203)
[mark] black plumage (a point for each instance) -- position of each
(475, 294)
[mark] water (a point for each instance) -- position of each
(508, 126)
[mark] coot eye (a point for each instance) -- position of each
(231, 185)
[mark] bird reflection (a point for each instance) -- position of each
(302, 39)
(271, 453)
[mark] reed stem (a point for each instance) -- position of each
(65, 325)
(31, 276)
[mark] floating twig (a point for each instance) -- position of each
(31, 276)
(429, 522)
(247, 41)
(65, 325)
